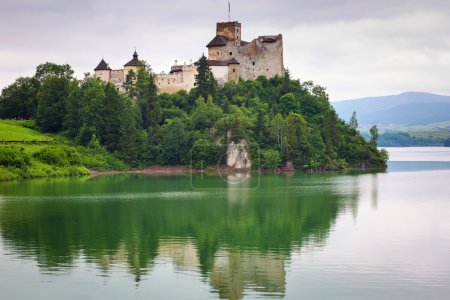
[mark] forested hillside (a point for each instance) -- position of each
(281, 119)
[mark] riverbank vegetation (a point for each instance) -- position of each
(282, 120)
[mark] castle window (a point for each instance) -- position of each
(217, 52)
(231, 53)
(253, 63)
(234, 70)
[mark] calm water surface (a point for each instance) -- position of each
(362, 236)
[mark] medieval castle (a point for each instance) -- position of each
(230, 59)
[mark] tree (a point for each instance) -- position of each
(129, 144)
(52, 69)
(129, 84)
(18, 100)
(297, 139)
(52, 98)
(143, 90)
(270, 159)
(111, 109)
(204, 80)
(205, 114)
(278, 132)
(288, 103)
(175, 143)
(353, 121)
(373, 135)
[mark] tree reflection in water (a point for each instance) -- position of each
(239, 238)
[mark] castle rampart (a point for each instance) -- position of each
(230, 59)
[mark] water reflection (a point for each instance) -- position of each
(237, 238)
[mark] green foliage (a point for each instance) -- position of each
(288, 103)
(11, 156)
(278, 132)
(52, 98)
(374, 135)
(206, 153)
(58, 156)
(205, 114)
(175, 143)
(269, 159)
(286, 119)
(52, 69)
(204, 80)
(354, 121)
(18, 100)
(418, 139)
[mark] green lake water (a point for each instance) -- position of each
(309, 236)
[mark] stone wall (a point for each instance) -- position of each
(233, 72)
(231, 30)
(118, 77)
(182, 77)
(220, 74)
(104, 75)
(262, 56)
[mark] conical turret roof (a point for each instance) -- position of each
(102, 66)
(135, 62)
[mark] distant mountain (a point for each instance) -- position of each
(408, 109)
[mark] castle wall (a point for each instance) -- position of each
(256, 58)
(183, 79)
(231, 30)
(220, 74)
(104, 75)
(262, 56)
(233, 73)
(117, 78)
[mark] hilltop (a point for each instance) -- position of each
(276, 124)
(408, 119)
(407, 109)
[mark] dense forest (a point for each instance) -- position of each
(279, 118)
(409, 139)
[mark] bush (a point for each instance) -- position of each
(58, 156)
(270, 159)
(11, 156)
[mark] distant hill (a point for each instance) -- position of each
(407, 109)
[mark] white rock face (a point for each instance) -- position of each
(237, 155)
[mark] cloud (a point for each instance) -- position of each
(355, 48)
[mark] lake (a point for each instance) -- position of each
(309, 236)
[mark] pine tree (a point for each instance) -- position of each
(204, 80)
(354, 121)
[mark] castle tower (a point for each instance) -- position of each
(230, 30)
(133, 64)
(103, 71)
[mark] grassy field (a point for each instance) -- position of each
(30, 158)
(11, 130)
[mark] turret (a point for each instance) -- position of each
(103, 71)
(133, 64)
(230, 30)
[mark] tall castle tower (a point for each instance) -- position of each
(230, 30)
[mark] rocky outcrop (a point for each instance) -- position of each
(238, 156)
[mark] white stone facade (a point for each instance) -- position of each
(230, 59)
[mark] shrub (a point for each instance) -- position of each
(58, 156)
(11, 156)
(270, 159)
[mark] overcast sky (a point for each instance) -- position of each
(354, 48)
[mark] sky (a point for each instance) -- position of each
(353, 48)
